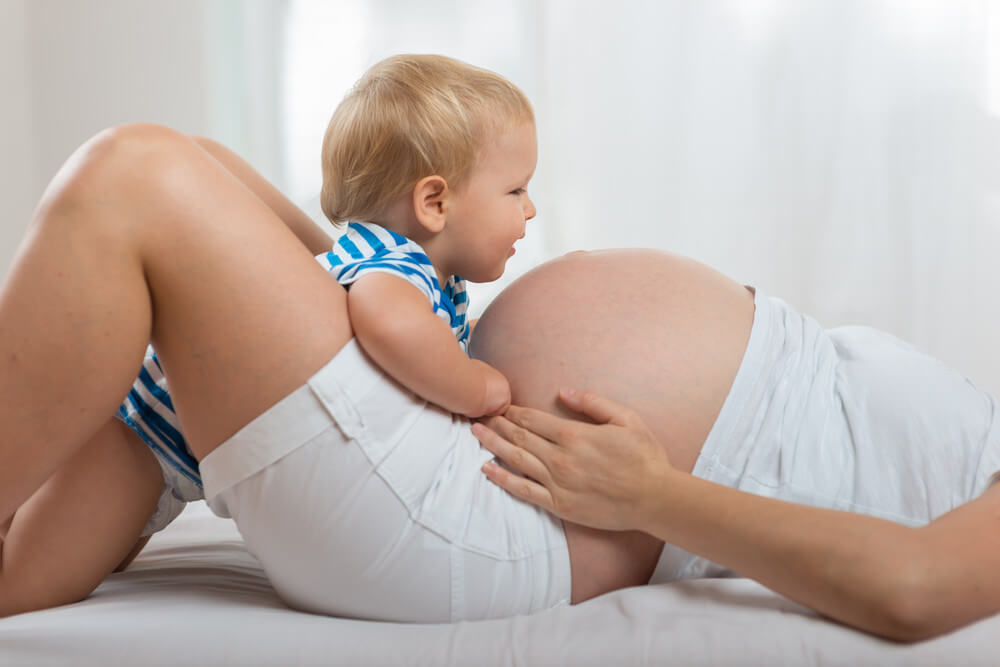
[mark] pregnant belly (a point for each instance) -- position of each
(660, 333)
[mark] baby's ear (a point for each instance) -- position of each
(429, 199)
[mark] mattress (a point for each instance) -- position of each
(196, 596)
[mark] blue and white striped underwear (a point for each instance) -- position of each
(149, 412)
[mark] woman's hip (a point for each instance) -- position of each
(362, 500)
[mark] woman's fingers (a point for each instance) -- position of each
(519, 487)
(563, 431)
(519, 459)
(602, 410)
(507, 442)
(552, 430)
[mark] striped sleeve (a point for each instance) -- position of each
(368, 248)
(365, 248)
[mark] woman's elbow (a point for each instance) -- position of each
(916, 609)
(910, 622)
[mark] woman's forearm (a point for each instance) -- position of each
(882, 577)
(835, 563)
(899, 582)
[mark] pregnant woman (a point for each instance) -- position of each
(358, 498)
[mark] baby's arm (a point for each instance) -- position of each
(396, 326)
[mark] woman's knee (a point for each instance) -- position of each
(115, 164)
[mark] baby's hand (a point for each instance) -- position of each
(496, 392)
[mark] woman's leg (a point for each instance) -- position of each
(308, 232)
(80, 524)
(142, 235)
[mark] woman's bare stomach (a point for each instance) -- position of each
(658, 332)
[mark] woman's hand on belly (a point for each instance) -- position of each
(602, 475)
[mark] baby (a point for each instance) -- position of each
(434, 156)
(429, 158)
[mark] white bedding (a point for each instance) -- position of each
(196, 597)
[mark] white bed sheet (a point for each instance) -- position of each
(195, 596)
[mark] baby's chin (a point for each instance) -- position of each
(486, 276)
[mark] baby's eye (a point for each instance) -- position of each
(519, 191)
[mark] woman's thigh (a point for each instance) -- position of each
(240, 312)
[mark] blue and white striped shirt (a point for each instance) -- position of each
(369, 248)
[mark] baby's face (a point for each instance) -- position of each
(488, 213)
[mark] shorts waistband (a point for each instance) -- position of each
(286, 426)
(755, 358)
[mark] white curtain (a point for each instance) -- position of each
(245, 63)
(841, 154)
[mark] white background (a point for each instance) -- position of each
(841, 154)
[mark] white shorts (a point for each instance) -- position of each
(849, 418)
(362, 500)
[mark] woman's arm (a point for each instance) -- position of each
(311, 235)
(882, 577)
(395, 325)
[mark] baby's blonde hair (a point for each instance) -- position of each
(411, 116)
